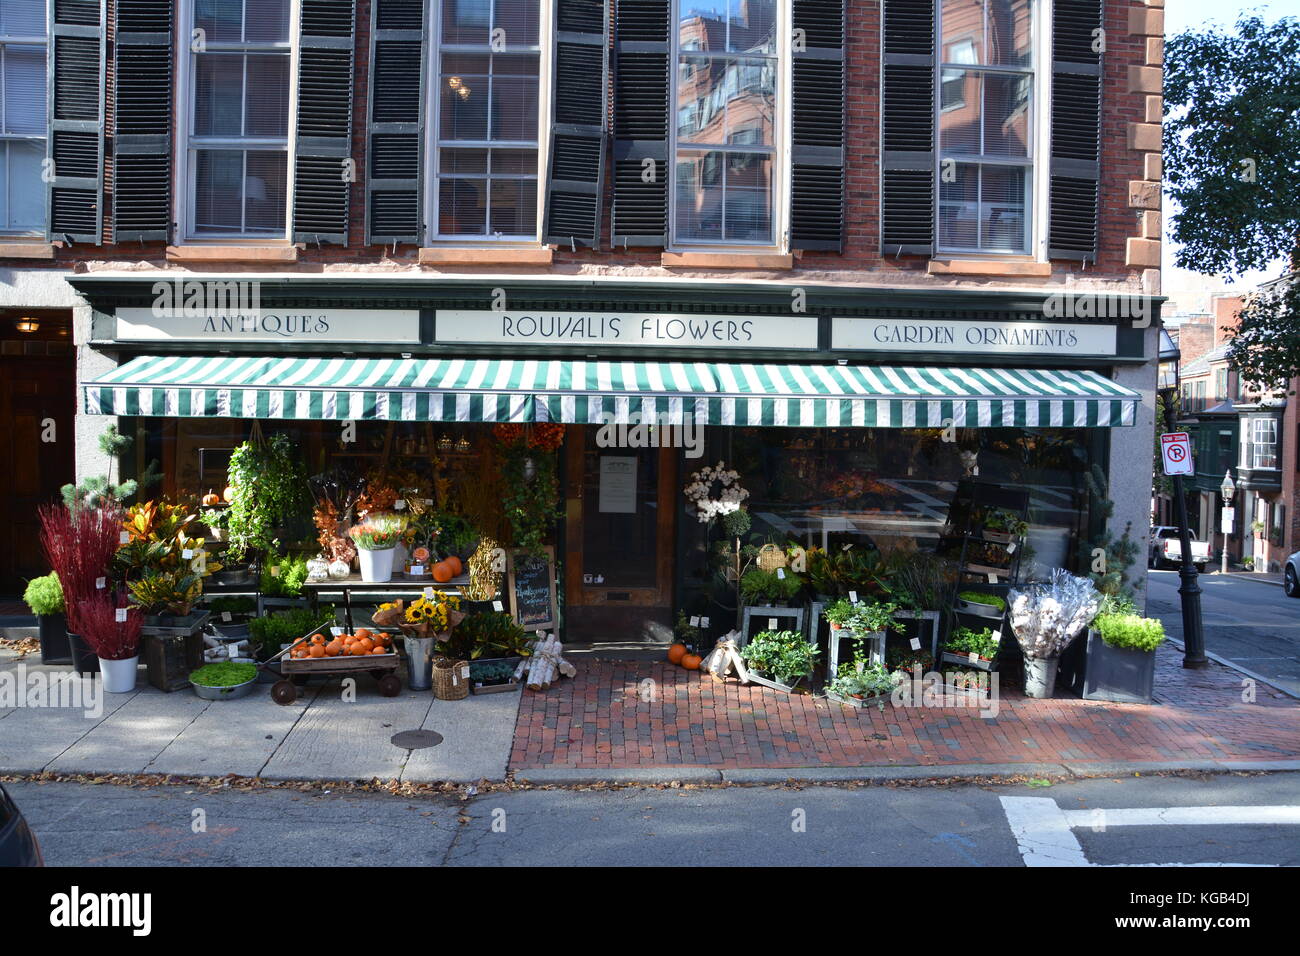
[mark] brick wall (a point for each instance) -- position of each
(1129, 199)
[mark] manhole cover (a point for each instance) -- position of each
(416, 739)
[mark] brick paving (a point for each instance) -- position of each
(599, 720)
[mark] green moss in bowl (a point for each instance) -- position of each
(224, 674)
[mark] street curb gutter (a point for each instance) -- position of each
(1260, 678)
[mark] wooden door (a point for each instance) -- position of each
(620, 511)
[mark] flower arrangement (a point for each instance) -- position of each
(336, 493)
(1047, 617)
(379, 532)
(434, 614)
(379, 497)
(543, 436)
(484, 578)
(715, 491)
(857, 485)
(79, 543)
(111, 628)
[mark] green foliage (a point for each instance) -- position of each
(457, 534)
(532, 505)
(269, 483)
(171, 591)
(1129, 631)
(687, 633)
(486, 634)
(231, 603)
(736, 524)
(224, 674)
(869, 680)
(44, 595)
(284, 627)
(283, 576)
(96, 492)
(783, 656)
(491, 672)
(1265, 347)
(869, 617)
(916, 580)
(963, 640)
(1109, 570)
(1005, 521)
(980, 597)
(757, 586)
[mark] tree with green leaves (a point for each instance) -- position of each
(1232, 108)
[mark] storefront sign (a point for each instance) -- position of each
(270, 325)
(617, 484)
(1027, 339)
(488, 327)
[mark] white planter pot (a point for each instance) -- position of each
(377, 566)
(119, 676)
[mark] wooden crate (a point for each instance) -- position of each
(170, 659)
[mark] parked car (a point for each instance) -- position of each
(1166, 549)
(1291, 576)
(18, 846)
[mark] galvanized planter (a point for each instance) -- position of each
(755, 678)
(1117, 674)
(951, 657)
(855, 702)
(233, 692)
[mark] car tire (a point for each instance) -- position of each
(1289, 583)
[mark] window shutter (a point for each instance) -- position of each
(395, 144)
(76, 111)
(907, 129)
(576, 181)
(817, 133)
(1076, 130)
(642, 166)
(323, 170)
(142, 128)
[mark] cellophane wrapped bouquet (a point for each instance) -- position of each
(1046, 617)
(426, 616)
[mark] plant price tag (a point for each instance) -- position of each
(121, 615)
(973, 657)
(498, 606)
(417, 569)
(780, 574)
(771, 624)
(695, 621)
(428, 592)
(997, 637)
(189, 553)
(101, 583)
(225, 616)
(853, 597)
(704, 622)
(400, 504)
(993, 578)
(916, 643)
(1011, 548)
(275, 571)
(124, 537)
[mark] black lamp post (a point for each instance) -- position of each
(1188, 589)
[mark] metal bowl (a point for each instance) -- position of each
(233, 692)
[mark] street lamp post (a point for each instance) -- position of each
(1227, 489)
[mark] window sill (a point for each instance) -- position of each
(989, 267)
(201, 253)
(726, 260)
(26, 249)
(484, 256)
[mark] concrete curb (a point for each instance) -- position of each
(653, 775)
(927, 772)
(1260, 678)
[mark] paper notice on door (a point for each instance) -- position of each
(617, 484)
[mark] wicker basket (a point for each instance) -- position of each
(450, 679)
(770, 557)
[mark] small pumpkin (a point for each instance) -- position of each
(229, 493)
(676, 653)
(211, 499)
(442, 572)
(454, 563)
(691, 661)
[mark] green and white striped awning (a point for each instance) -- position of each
(492, 390)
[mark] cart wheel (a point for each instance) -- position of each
(389, 685)
(283, 692)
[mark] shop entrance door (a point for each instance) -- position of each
(619, 538)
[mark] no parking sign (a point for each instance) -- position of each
(1176, 452)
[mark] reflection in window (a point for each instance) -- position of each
(487, 118)
(985, 125)
(725, 126)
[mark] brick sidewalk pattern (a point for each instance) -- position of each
(598, 721)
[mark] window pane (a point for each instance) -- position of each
(963, 25)
(699, 195)
(264, 192)
(220, 20)
(725, 101)
(219, 191)
(267, 21)
(464, 107)
(466, 21)
(518, 18)
(516, 161)
(751, 26)
(22, 18)
(26, 191)
(703, 25)
(748, 210)
(1010, 33)
(514, 108)
(514, 207)
(268, 95)
(462, 207)
(958, 207)
(724, 196)
(24, 89)
(1002, 205)
(219, 94)
(1006, 115)
(463, 162)
(959, 124)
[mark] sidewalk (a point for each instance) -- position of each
(599, 722)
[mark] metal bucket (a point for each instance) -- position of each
(419, 662)
(1040, 677)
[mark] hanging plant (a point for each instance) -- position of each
(269, 491)
(530, 496)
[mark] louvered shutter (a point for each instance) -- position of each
(323, 171)
(642, 167)
(1076, 130)
(817, 132)
(75, 209)
(908, 171)
(579, 82)
(395, 144)
(142, 128)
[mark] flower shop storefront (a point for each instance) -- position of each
(572, 422)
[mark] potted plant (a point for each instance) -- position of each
(80, 542)
(112, 629)
(1003, 525)
(862, 684)
(779, 659)
(492, 677)
(838, 613)
(268, 494)
(776, 588)
(966, 646)
(283, 576)
(1120, 664)
(981, 603)
(224, 680)
(1045, 619)
(44, 596)
(430, 618)
(376, 539)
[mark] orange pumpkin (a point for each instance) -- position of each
(691, 661)
(211, 498)
(676, 653)
(442, 572)
(454, 563)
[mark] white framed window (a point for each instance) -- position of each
(730, 71)
(1263, 443)
(488, 107)
(22, 116)
(986, 125)
(236, 118)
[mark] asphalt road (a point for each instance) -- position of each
(1250, 623)
(953, 825)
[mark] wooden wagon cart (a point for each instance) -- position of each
(295, 671)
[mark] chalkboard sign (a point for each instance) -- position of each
(531, 583)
